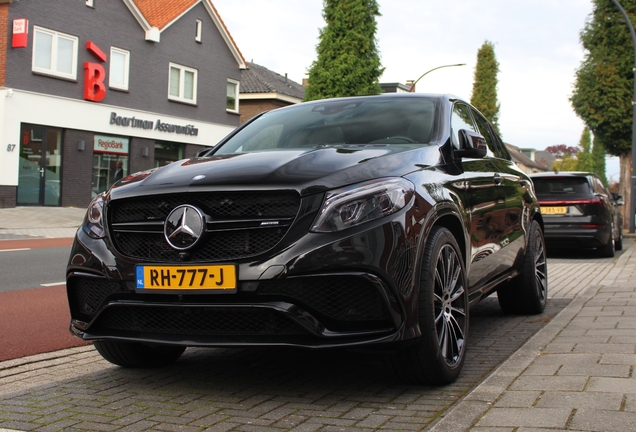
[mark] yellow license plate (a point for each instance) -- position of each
(554, 210)
(195, 277)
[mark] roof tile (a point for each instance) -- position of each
(259, 79)
(160, 13)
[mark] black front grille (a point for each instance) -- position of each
(339, 298)
(220, 206)
(207, 321)
(235, 231)
(217, 246)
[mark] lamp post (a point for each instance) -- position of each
(438, 67)
(632, 172)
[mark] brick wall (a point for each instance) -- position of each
(4, 34)
(249, 108)
(8, 196)
(137, 161)
(77, 170)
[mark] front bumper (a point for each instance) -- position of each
(324, 290)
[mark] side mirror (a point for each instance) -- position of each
(203, 151)
(618, 198)
(472, 145)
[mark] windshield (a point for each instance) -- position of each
(546, 186)
(338, 122)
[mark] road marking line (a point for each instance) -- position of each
(53, 284)
(15, 250)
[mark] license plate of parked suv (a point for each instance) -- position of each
(203, 277)
(554, 210)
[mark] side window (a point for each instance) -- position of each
(486, 132)
(54, 53)
(599, 188)
(119, 67)
(232, 99)
(183, 84)
(460, 119)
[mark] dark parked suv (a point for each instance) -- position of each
(359, 222)
(579, 211)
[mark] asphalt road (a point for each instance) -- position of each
(27, 267)
(34, 315)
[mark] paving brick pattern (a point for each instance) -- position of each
(577, 373)
(295, 390)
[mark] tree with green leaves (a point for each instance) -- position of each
(484, 96)
(603, 86)
(598, 161)
(584, 156)
(348, 62)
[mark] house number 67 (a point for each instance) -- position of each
(10, 147)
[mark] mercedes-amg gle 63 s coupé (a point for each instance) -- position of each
(370, 222)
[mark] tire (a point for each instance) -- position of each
(618, 244)
(138, 355)
(607, 251)
(527, 294)
(437, 357)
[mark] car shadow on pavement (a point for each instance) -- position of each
(275, 387)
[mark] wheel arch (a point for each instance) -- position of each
(452, 223)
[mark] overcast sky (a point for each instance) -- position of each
(536, 43)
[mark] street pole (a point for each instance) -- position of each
(632, 172)
(438, 67)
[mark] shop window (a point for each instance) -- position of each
(167, 152)
(119, 66)
(54, 53)
(110, 161)
(232, 95)
(183, 84)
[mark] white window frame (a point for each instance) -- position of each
(55, 37)
(236, 96)
(180, 97)
(126, 54)
(199, 26)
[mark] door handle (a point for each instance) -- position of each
(41, 172)
(498, 179)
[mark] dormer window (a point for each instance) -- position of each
(90, 3)
(198, 31)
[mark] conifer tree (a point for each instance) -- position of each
(584, 156)
(598, 160)
(484, 96)
(348, 62)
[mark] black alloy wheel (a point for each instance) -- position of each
(438, 356)
(528, 292)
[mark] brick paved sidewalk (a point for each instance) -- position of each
(577, 373)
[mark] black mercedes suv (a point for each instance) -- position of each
(358, 222)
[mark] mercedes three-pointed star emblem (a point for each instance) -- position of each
(184, 227)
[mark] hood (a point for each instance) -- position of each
(307, 171)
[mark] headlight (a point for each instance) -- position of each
(353, 205)
(93, 222)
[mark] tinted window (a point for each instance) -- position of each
(353, 121)
(485, 131)
(460, 120)
(561, 186)
(599, 188)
